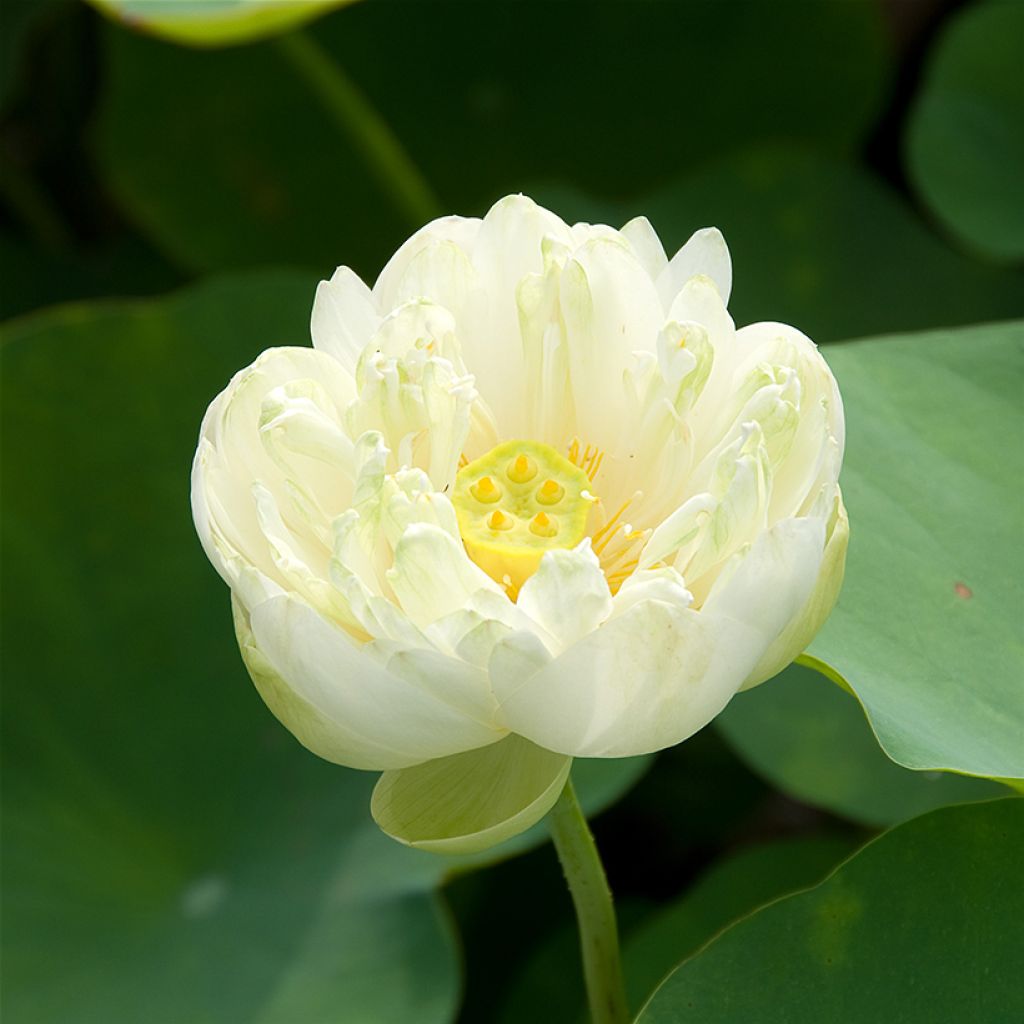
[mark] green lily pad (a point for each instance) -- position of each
(170, 852)
(921, 925)
(811, 740)
(240, 165)
(652, 946)
(214, 22)
(965, 137)
(927, 628)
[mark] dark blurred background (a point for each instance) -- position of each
(141, 770)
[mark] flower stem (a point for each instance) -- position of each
(595, 912)
(352, 112)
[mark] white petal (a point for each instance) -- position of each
(767, 585)
(647, 246)
(568, 594)
(231, 457)
(433, 576)
(705, 252)
(352, 709)
(644, 680)
(610, 309)
(804, 626)
(462, 231)
(344, 317)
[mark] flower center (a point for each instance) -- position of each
(519, 500)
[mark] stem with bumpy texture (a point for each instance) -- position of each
(595, 912)
(353, 113)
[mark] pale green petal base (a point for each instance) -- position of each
(470, 801)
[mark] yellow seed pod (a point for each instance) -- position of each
(507, 521)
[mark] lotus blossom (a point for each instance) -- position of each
(531, 497)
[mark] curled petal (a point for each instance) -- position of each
(469, 802)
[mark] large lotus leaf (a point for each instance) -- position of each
(927, 631)
(660, 938)
(170, 853)
(214, 22)
(921, 925)
(965, 137)
(239, 163)
(811, 740)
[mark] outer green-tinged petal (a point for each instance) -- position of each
(215, 22)
(804, 627)
(644, 680)
(471, 801)
(355, 709)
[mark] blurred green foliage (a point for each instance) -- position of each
(169, 853)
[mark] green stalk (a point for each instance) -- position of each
(352, 112)
(595, 912)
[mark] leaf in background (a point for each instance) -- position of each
(238, 164)
(171, 854)
(729, 890)
(19, 20)
(927, 631)
(810, 739)
(214, 22)
(921, 925)
(965, 137)
(830, 248)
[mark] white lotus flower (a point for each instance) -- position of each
(531, 497)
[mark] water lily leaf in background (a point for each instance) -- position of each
(810, 739)
(730, 889)
(239, 164)
(965, 137)
(919, 926)
(214, 22)
(170, 853)
(927, 631)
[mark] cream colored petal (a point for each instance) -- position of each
(231, 457)
(568, 595)
(804, 626)
(472, 801)
(610, 310)
(706, 253)
(462, 231)
(647, 246)
(344, 318)
(642, 681)
(767, 584)
(385, 711)
(433, 576)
